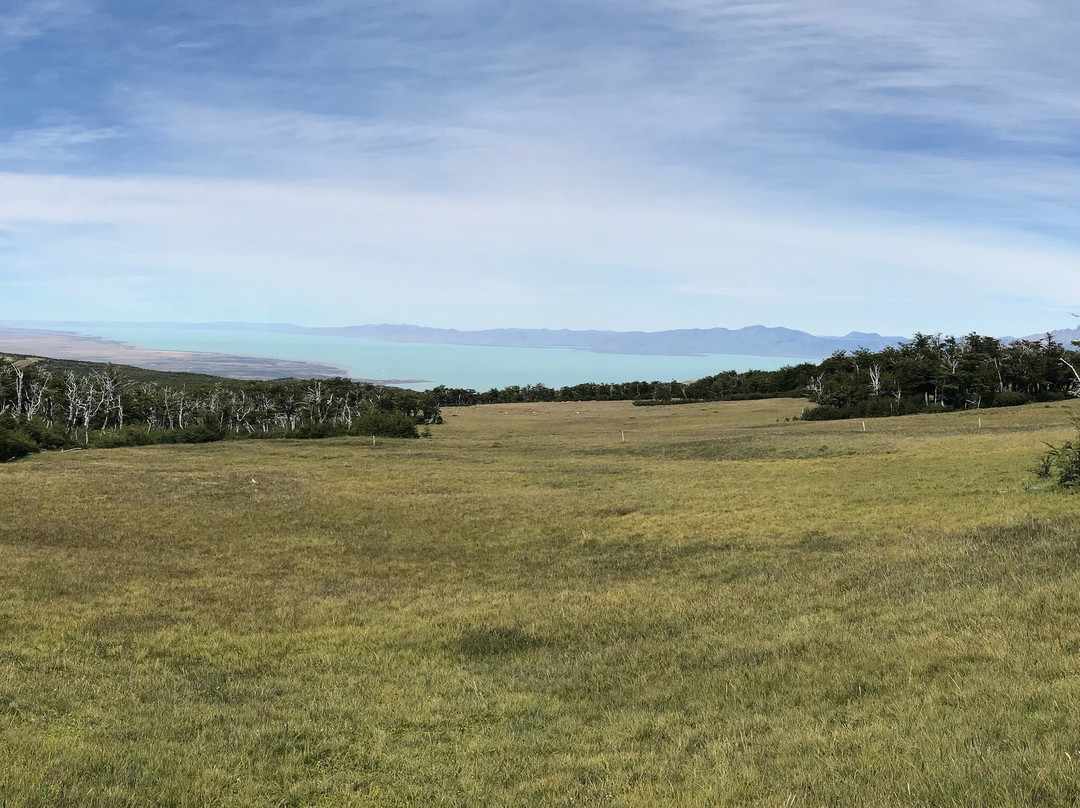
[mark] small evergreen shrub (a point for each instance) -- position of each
(205, 432)
(1010, 398)
(15, 444)
(1062, 463)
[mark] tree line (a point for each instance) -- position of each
(934, 374)
(729, 385)
(45, 406)
(929, 373)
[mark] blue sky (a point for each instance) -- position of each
(642, 164)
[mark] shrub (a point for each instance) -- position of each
(1010, 398)
(15, 444)
(205, 432)
(128, 436)
(825, 412)
(1063, 462)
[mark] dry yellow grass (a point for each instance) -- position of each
(549, 605)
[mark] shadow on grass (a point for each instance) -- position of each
(486, 642)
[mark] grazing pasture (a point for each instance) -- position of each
(549, 604)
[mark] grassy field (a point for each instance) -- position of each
(563, 604)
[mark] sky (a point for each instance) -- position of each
(826, 165)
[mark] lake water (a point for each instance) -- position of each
(478, 367)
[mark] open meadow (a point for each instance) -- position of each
(549, 604)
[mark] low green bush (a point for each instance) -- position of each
(15, 444)
(1010, 398)
(1062, 463)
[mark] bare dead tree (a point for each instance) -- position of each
(1073, 391)
(345, 415)
(875, 379)
(241, 408)
(112, 399)
(86, 399)
(71, 389)
(35, 395)
(19, 373)
(997, 368)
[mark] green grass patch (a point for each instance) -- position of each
(554, 604)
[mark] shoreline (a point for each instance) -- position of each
(88, 348)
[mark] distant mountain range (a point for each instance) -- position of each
(1063, 335)
(755, 340)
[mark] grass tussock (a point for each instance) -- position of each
(548, 605)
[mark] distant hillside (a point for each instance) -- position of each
(131, 373)
(60, 345)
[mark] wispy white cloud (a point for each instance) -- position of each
(51, 144)
(28, 19)
(734, 161)
(336, 252)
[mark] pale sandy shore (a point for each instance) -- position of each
(72, 345)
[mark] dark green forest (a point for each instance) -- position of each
(926, 374)
(54, 404)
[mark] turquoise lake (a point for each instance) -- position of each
(480, 368)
